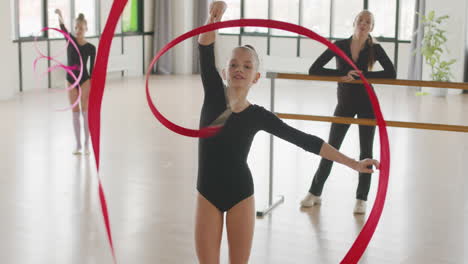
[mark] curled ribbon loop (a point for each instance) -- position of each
(361, 242)
(68, 69)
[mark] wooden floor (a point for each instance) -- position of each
(48, 197)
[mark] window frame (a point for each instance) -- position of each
(45, 36)
(396, 40)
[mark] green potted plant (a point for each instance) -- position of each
(432, 48)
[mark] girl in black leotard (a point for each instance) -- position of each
(224, 180)
(88, 51)
(352, 100)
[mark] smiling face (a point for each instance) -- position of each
(364, 23)
(242, 69)
(80, 28)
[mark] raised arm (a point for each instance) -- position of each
(387, 65)
(212, 82)
(216, 12)
(61, 21)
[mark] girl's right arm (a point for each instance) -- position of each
(212, 82)
(61, 21)
(216, 12)
(270, 123)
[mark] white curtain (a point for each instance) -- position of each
(465, 77)
(199, 18)
(416, 59)
(162, 35)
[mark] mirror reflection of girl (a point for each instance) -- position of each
(88, 52)
(352, 100)
(224, 184)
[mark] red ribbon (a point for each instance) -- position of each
(95, 100)
(58, 64)
(98, 83)
(361, 242)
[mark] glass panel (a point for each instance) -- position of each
(232, 12)
(130, 17)
(30, 18)
(88, 8)
(287, 11)
(316, 16)
(384, 14)
(256, 9)
(407, 13)
(52, 18)
(344, 12)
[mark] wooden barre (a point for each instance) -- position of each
(402, 82)
(372, 122)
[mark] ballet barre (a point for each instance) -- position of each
(399, 82)
(349, 120)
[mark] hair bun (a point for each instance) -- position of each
(250, 47)
(81, 16)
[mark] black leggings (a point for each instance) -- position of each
(337, 134)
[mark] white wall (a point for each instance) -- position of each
(9, 71)
(33, 80)
(133, 53)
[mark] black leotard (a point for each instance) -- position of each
(224, 177)
(352, 93)
(87, 50)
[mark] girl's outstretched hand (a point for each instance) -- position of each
(217, 9)
(365, 165)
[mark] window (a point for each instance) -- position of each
(52, 18)
(316, 16)
(88, 8)
(256, 9)
(233, 12)
(130, 17)
(384, 15)
(31, 17)
(344, 12)
(407, 12)
(287, 11)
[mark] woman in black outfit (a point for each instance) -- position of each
(224, 183)
(352, 100)
(87, 51)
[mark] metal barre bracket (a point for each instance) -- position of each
(271, 207)
(271, 75)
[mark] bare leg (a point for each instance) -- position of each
(84, 108)
(85, 88)
(73, 96)
(240, 223)
(208, 231)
